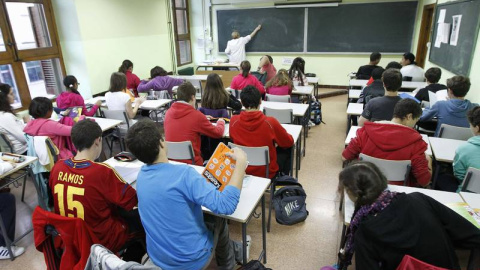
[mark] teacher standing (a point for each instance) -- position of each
(236, 47)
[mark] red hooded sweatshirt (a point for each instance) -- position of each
(387, 140)
(68, 99)
(184, 123)
(254, 129)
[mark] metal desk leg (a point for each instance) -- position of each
(437, 172)
(244, 243)
(264, 233)
(292, 156)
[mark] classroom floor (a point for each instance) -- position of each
(308, 245)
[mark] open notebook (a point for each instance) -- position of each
(439, 95)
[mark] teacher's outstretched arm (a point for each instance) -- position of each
(256, 30)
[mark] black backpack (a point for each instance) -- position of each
(254, 265)
(289, 201)
(316, 112)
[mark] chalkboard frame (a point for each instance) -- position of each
(306, 16)
(434, 32)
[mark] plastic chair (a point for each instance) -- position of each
(471, 183)
(180, 151)
(259, 156)
(394, 170)
(278, 98)
(5, 144)
(262, 77)
(121, 130)
(410, 263)
(453, 132)
(284, 116)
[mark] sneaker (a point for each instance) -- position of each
(249, 243)
(311, 124)
(17, 251)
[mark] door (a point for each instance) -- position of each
(424, 38)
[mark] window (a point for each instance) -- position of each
(182, 32)
(31, 60)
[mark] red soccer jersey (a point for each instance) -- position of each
(93, 191)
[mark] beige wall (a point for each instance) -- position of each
(96, 36)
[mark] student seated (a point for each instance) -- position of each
(297, 72)
(72, 98)
(381, 108)
(252, 128)
(454, 110)
(159, 81)
(395, 140)
(280, 84)
(132, 80)
(235, 49)
(170, 200)
(433, 76)
(184, 123)
(374, 90)
(103, 199)
(388, 225)
(266, 65)
(410, 71)
(365, 72)
(216, 99)
(10, 125)
(8, 213)
(466, 156)
(245, 78)
(117, 99)
(41, 110)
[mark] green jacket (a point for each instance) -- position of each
(467, 155)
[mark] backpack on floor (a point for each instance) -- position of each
(316, 112)
(254, 265)
(289, 201)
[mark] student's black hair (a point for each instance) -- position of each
(118, 82)
(185, 91)
(364, 180)
(433, 75)
(250, 97)
(377, 73)
(40, 107)
(245, 66)
(269, 58)
(5, 105)
(298, 67)
(409, 56)
(143, 140)
(393, 64)
(157, 71)
(460, 85)
(392, 79)
(84, 134)
(407, 106)
(375, 56)
(126, 64)
(474, 116)
(69, 82)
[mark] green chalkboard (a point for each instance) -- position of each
(282, 29)
(457, 59)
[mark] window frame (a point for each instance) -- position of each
(181, 37)
(14, 57)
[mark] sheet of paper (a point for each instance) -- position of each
(445, 31)
(438, 41)
(441, 16)
(457, 20)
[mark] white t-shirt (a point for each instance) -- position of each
(13, 127)
(236, 49)
(116, 100)
(413, 71)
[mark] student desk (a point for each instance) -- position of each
(295, 131)
(352, 133)
(405, 84)
(472, 199)
(353, 109)
(154, 105)
(357, 83)
(6, 180)
(105, 123)
(314, 81)
(354, 93)
(443, 151)
(218, 65)
(253, 190)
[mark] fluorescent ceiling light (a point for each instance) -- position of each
(307, 5)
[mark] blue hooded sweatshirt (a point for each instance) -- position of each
(451, 112)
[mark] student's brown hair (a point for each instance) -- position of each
(214, 96)
(185, 91)
(157, 71)
(143, 140)
(280, 79)
(474, 116)
(118, 82)
(459, 85)
(392, 79)
(245, 66)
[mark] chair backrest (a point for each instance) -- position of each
(453, 132)
(471, 183)
(278, 98)
(5, 144)
(256, 156)
(117, 115)
(284, 116)
(394, 170)
(52, 149)
(262, 77)
(180, 150)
